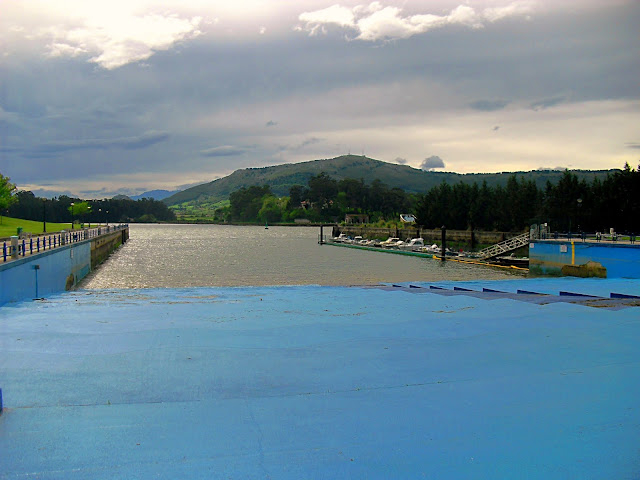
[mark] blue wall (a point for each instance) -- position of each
(18, 277)
(620, 260)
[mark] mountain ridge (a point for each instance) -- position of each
(282, 177)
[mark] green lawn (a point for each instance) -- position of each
(9, 226)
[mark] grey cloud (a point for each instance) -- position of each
(401, 161)
(271, 123)
(127, 143)
(432, 162)
(310, 141)
(496, 128)
(488, 105)
(222, 151)
(546, 103)
(417, 77)
(632, 145)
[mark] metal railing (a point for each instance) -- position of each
(503, 247)
(590, 237)
(28, 245)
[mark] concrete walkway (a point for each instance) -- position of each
(322, 382)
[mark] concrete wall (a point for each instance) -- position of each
(103, 246)
(584, 259)
(57, 270)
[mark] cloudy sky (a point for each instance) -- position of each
(98, 98)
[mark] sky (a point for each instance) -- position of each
(121, 97)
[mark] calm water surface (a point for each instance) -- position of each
(223, 255)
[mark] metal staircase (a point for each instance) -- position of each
(504, 247)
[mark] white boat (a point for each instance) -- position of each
(340, 238)
(431, 249)
(390, 242)
(414, 245)
(399, 244)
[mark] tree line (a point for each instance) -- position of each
(570, 205)
(26, 205)
(324, 199)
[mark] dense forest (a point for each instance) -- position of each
(569, 205)
(26, 205)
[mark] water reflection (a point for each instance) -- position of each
(224, 255)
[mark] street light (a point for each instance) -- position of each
(99, 216)
(72, 204)
(578, 219)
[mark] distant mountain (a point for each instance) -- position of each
(155, 194)
(120, 197)
(282, 177)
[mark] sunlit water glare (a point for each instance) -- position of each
(225, 255)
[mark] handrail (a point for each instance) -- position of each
(504, 246)
(45, 242)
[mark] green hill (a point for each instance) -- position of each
(281, 177)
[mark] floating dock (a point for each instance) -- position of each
(454, 258)
(524, 378)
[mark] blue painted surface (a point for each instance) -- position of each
(620, 260)
(321, 382)
(18, 278)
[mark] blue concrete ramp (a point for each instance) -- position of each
(322, 382)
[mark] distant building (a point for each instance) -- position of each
(407, 218)
(356, 218)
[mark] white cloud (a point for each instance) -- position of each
(334, 14)
(377, 22)
(118, 41)
(109, 34)
(521, 8)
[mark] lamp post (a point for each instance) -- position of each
(89, 214)
(44, 215)
(72, 204)
(579, 205)
(106, 217)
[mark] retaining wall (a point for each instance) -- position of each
(584, 259)
(56, 270)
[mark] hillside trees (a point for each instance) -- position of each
(572, 203)
(247, 203)
(58, 209)
(7, 190)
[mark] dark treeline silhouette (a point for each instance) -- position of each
(30, 207)
(570, 205)
(324, 199)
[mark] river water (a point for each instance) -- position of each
(225, 255)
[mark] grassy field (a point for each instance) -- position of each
(9, 226)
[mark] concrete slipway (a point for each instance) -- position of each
(323, 382)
